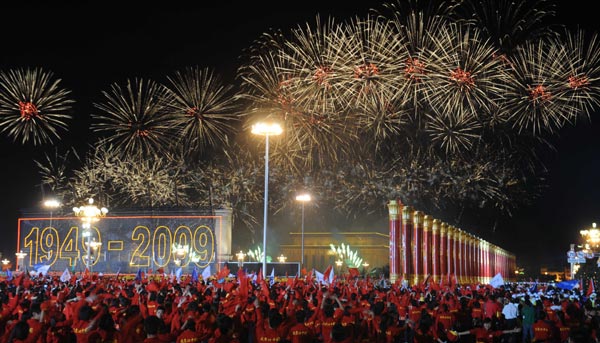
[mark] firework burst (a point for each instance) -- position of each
(371, 49)
(415, 21)
(466, 79)
(583, 61)
(33, 106)
(299, 85)
(535, 83)
(203, 108)
(136, 117)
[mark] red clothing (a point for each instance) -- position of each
(326, 326)
(188, 336)
(102, 336)
(491, 308)
(133, 330)
(485, 336)
(151, 307)
(564, 332)
(392, 332)
(35, 331)
(477, 313)
(82, 330)
(446, 319)
(414, 315)
(542, 330)
(551, 314)
(267, 335)
(300, 333)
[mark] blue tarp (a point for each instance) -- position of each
(569, 284)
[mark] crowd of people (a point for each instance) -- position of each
(157, 308)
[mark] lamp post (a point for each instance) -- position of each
(20, 258)
(266, 129)
(180, 251)
(365, 266)
(241, 256)
(5, 263)
(89, 214)
(303, 198)
(591, 236)
(339, 263)
(51, 204)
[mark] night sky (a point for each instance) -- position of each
(90, 46)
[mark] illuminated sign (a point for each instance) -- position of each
(120, 243)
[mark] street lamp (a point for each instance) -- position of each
(89, 214)
(303, 198)
(241, 256)
(5, 263)
(20, 257)
(180, 251)
(266, 129)
(591, 236)
(339, 263)
(365, 266)
(51, 204)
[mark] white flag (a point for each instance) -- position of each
(272, 277)
(206, 273)
(66, 276)
(318, 276)
(178, 273)
(43, 269)
(497, 281)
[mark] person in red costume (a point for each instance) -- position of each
(484, 333)
(300, 333)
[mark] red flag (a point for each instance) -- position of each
(327, 272)
(86, 273)
(243, 282)
(152, 287)
(309, 277)
(160, 270)
(223, 273)
(426, 280)
(265, 289)
(435, 286)
(353, 272)
(18, 279)
(259, 277)
(591, 288)
(303, 272)
(453, 282)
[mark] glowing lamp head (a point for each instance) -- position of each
(303, 197)
(267, 129)
(51, 203)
